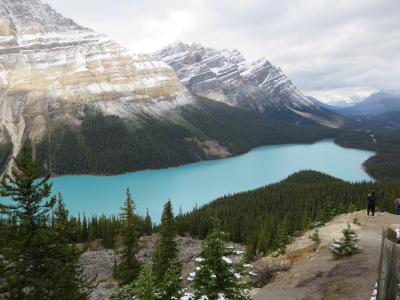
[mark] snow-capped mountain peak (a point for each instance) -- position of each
(28, 17)
(226, 76)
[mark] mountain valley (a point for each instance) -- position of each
(84, 104)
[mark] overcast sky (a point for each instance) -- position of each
(332, 49)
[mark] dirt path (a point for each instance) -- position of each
(321, 277)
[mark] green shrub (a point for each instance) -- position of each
(346, 245)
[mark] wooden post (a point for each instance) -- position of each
(389, 267)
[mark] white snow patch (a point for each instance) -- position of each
(187, 296)
(227, 259)
(199, 259)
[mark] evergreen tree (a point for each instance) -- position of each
(126, 292)
(327, 212)
(85, 231)
(351, 208)
(171, 284)
(144, 287)
(128, 268)
(214, 276)
(346, 245)
(166, 248)
(341, 209)
(108, 234)
(315, 236)
(179, 223)
(71, 284)
(148, 224)
(32, 260)
(282, 237)
(92, 227)
(251, 247)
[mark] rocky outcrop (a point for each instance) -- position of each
(301, 247)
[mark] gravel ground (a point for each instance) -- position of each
(319, 276)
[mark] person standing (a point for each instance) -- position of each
(371, 203)
(397, 205)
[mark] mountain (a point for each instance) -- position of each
(376, 104)
(324, 105)
(226, 76)
(84, 104)
(51, 69)
(389, 119)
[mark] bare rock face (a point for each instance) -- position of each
(51, 69)
(300, 247)
(226, 76)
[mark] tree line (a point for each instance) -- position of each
(385, 165)
(104, 228)
(265, 218)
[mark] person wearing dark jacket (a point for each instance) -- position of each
(397, 205)
(371, 203)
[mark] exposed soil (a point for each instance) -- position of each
(319, 276)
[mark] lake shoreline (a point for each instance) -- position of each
(202, 182)
(218, 159)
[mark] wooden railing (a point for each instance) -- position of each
(389, 266)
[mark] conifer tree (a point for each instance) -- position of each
(346, 245)
(128, 268)
(108, 234)
(214, 276)
(341, 209)
(70, 281)
(351, 208)
(144, 287)
(251, 247)
(282, 237)
(85, 232)
(327, 212)
(92, 228)
(32, 259)
(179, 223)
(148, 225)
(171, 284)
(166, 248)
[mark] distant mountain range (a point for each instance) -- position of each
(85, 104)
(330, 107)
(376, 104)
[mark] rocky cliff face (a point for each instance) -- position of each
(51, 69)
(227, 77)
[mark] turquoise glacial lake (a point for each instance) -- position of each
(202, 182)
